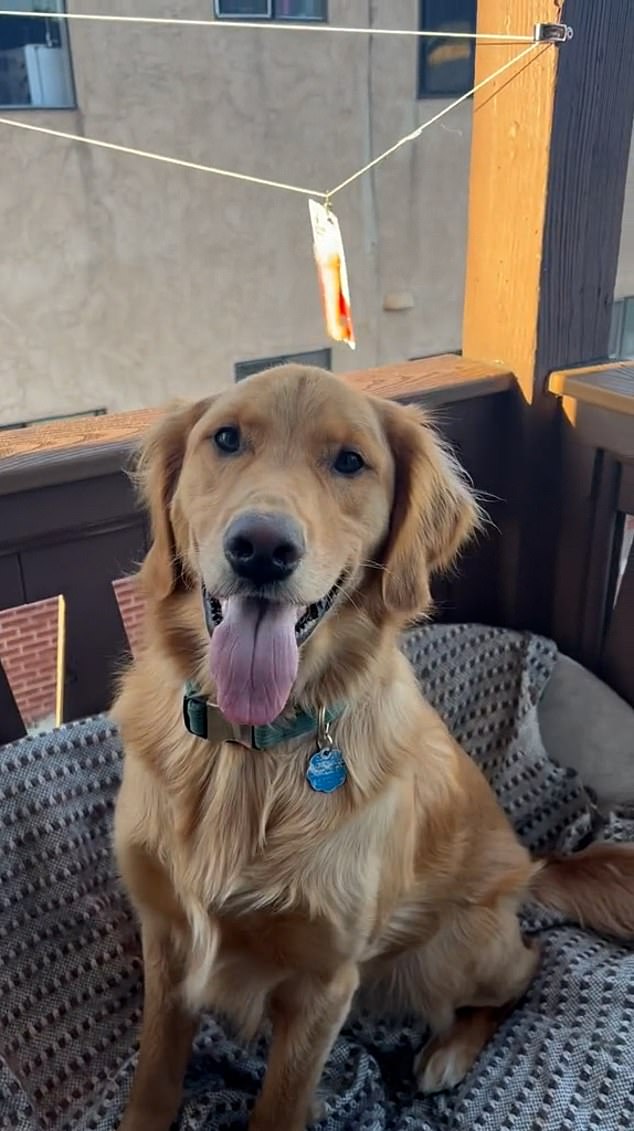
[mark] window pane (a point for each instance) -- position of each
(321, 358)
(447, 65)
(243, 9)
(616, 328)
(300, 9)
(627, 336)
(34, 58)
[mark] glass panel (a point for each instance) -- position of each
(447, 65)
(31, 652)
(300, 9)
(243, 9)
(35, 65)
(627, 334)
(616, 328)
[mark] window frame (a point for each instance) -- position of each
(302, 357)
(272, 17)
(72, 104)
(82, 414)
(421, 60)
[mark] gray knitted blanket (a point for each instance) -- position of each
(70, 968)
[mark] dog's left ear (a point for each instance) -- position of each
(434, 511)
(157, 470)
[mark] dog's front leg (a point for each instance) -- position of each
(307, 1014)
(166, 1034)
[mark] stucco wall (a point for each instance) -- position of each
(124, 282)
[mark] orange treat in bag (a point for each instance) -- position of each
(333, 276)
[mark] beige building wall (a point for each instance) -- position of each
(125, 282)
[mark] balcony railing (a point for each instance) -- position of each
(70, 524)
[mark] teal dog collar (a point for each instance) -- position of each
(205, 720)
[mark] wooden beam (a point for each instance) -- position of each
(608, 386)
(512, 123)
(548, 171)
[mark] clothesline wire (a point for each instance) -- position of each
(167, 160)
(269, 25)
(326, 196)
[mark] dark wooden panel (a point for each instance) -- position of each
(51, 513)
(591, 137)
(11, 588)
(598, 569)
(11, 725)
(41, 469)
(626, 490)
(579, 484)
(83, 569)
(479, 434)
(11, 594)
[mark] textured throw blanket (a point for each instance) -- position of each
(71, 973)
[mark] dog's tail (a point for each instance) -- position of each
(594, 887)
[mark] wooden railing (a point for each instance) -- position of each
(593, 613)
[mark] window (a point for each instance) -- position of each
(322, 358)
(622, 328)
(446, 66)
(35, 68)
(271, 9)
(52, 419)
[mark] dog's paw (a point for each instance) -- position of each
(440, 1066)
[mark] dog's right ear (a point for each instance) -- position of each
(156, 474)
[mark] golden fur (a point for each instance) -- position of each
(257, 897)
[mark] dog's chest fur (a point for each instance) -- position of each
(278, 880)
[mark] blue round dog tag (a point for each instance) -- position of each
(326, 771)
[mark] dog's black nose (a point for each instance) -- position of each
(263, 548)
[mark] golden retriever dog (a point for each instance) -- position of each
(295, 822)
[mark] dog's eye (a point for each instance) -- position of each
(227, 440)
(348, 462)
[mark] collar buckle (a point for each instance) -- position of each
(220, 729)
(204, 719)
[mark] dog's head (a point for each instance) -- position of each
(286, 499)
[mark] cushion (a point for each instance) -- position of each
(71, 970)
(587, 727)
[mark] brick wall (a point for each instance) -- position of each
(130, 604)
(28, 648)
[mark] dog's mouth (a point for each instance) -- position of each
(254, 650)
(308, 617)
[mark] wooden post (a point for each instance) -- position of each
(548, 171)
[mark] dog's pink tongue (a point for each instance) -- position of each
(253, 657)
